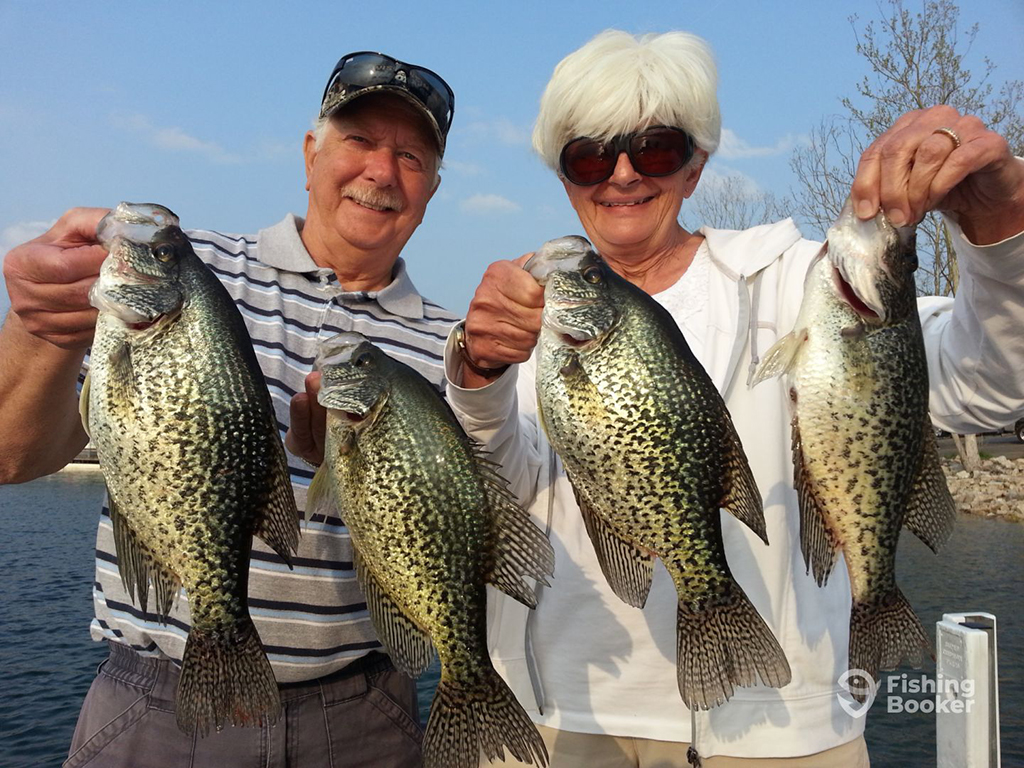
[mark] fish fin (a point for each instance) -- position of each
(885, 633)
(780, 356)
(742, 497)
(931, 511)
(628, 568)
(83, 401)
(319, 496)
(521, 548)
(277, 522)
(723, 644)
(479, 716)
(541, 420)
(816, 541)
(226, 678)
(121, 378)
(408, 645)
(138, 567)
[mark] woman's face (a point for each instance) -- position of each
(631, 213)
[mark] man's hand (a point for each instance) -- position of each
(911, 169)
(504, 318)
(48, 279)
(308, 425)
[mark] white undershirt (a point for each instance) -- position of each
(605, 666)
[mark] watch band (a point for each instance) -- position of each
(460, 344)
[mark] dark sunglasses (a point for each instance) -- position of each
(658, 151)
(366, 69)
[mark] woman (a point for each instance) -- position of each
(597, 675)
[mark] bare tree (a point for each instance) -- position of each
(917, 60)
(730, 201)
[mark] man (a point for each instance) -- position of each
(372, 165)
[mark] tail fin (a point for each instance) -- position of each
(485, 717)
(885, 633)
(226, 678)
(722, 645)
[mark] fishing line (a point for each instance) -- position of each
(692, 755)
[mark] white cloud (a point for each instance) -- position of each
(733, 147)
(488, 203)
(717, 177)
(173, 138)
(23, 231)
(502, 129)
(463, 169)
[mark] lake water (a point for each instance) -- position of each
(48, 530)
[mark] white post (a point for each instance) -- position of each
(967, 691)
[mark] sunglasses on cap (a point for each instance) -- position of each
(363, 71)
(658, 151)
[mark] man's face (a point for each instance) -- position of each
(371, 179)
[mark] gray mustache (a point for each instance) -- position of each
(376, 197)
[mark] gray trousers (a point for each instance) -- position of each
(363, 715)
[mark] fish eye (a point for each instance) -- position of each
(164, 252)
(593, 274)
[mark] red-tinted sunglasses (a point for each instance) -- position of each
(658, 151)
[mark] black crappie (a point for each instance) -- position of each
(864, 456)
(179, 411)
(431, 523)
(652, 455)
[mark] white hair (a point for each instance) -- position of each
(617, 83)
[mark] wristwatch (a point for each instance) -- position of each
(460, 343)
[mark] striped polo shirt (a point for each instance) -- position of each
(313, 618)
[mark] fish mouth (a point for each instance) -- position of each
(146, 325)
(569, 335)
(572, 341)
(352, 417)
(129, 274)
(350, 402)
(849, 295)
(565, 302)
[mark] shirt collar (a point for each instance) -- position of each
(281, 247)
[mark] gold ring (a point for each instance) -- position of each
(952, 134)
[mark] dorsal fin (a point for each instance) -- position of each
(521, 548)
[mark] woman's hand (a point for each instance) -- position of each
(915, 167)
(503, 323)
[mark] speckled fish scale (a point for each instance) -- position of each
(432, 523)
(865, 462)
(178, 409)
(652, 456)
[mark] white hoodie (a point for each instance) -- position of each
(606, 667)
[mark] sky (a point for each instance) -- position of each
(202, 107)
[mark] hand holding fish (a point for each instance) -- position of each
(305, 437)
(503, 322)
(938, 159)
(48, 279)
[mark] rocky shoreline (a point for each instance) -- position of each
(995, 490)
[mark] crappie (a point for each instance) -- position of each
(864, 456)
(431, 523)
(178, 409)
(652, 456)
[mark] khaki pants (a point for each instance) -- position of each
(587, 750)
